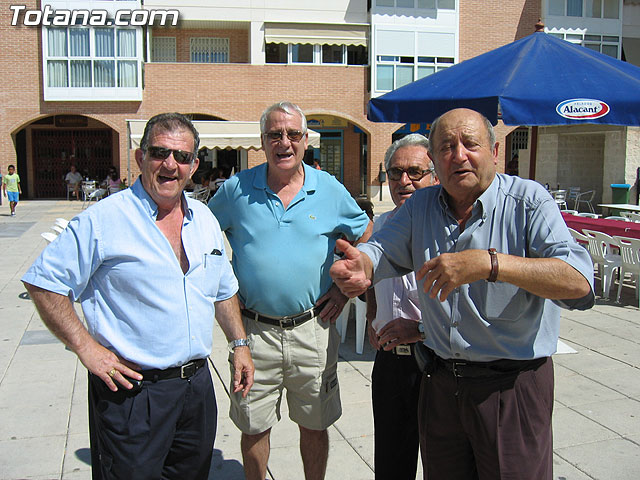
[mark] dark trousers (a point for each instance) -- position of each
(487, 428)
(166, 430)
(395, 388)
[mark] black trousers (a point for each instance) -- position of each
(166, 430)
(395, 391)
(487, 428)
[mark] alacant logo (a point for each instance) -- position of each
(582, 109)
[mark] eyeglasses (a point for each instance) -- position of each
(293, 135)
(180, 156)
(414, 173)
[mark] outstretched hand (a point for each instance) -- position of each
(446, 272)
(353, 272)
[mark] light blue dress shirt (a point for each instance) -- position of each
(282, 257)
(483, 321)
(136, 300)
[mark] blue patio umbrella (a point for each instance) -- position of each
(537, 80)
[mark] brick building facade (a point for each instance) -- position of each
(237, 90)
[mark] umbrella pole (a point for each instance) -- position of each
(534, 152)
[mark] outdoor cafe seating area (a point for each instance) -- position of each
(614, 246)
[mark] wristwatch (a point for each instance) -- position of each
(421, 331)
(240, 342)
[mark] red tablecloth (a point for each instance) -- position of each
(610, 227)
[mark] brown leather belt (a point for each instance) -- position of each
(289, 321)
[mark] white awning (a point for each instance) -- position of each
(220, 135)
(315, 34)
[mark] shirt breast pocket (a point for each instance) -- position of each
(504, 301)
(210, 273)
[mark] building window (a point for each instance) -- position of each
(316, 54)
(585, 8)
(276, 53)
(301, 53)
(332, 54)
(209, 50)
(76, 58)
(163, 49)
(357, 55)
(395, 71)
(428, 4)
(607, 44)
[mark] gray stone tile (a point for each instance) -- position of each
(38, 337)
(77, 455)
(621, 416)
(572, 428)
(587, 361)
(562, 470)
(356, 420)
(626, 351)
(581, 390)
(32, 457)
(624, 379)
(617, 459)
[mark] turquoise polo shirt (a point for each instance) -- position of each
(282, 257)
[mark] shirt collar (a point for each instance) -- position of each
(310, 178)
(485, 202)
(151, 207)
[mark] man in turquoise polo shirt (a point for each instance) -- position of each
(282, 219)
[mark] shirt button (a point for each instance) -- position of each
(193, 338)
(454, 324)
(457, 355)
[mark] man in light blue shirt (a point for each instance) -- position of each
(282, 219)
(149, 268)
(495, 263)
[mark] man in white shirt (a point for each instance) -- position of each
(394, 325)
(74, 180)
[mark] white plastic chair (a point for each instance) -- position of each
(96, 195)
(601, 253)
(560, 196)
(361, 322)
(634, 217)
(618, 217)
(48, 236)
(579, 237)
(57, 229)
(585, 197)
(572, 195)
(630, 253)
(62, 222)
(572, 212)
(588, 215)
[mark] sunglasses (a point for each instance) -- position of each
(414, 173)
(180, 156)
(293, 135)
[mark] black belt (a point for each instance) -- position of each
(185, 371)
(290, 321)
(467, 369)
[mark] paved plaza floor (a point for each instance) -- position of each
(43, 411)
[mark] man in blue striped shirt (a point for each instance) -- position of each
(495, 262)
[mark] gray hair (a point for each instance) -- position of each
(168, 122)
(286, 107)
(487, 124)
(412, 140)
